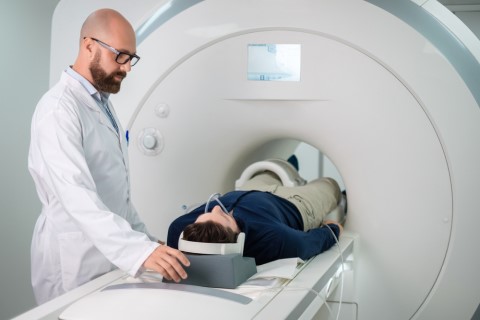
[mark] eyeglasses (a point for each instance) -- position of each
(122, 57)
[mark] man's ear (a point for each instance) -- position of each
(88, 47)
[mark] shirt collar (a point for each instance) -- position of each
(99, 96)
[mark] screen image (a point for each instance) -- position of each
(274, 62)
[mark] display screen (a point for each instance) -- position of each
(274, 62)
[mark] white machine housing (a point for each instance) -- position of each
(388, 91)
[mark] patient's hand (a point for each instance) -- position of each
(166, 261)
(334, 222)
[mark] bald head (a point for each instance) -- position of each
(107, 25)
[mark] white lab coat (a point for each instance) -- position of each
(79, 164)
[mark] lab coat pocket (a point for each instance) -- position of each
(80, 260)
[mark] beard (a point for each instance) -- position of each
(101, 80)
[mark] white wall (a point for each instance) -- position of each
(24, 52)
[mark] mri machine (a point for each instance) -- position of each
(388, 91)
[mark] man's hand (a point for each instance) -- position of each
(166, 261)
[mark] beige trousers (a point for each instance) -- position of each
(314, 200)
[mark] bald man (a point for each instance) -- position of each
(78, 160)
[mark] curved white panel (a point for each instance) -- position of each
(363, 129)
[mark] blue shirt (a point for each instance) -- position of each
(273, 227)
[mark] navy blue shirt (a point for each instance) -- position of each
(273, 227)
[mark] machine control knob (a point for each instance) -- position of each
(150, 141)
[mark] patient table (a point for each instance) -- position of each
(119, 296)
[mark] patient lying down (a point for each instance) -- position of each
(278, 222)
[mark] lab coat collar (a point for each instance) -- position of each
(99, 96)
(71, 77)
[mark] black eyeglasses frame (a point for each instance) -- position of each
(133, 58)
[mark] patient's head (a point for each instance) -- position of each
(215, 227)
(209, 231)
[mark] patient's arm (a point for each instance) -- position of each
(340, 226)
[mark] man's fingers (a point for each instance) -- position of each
(178, 255)
(166, 261)
(170, 262)
(172, 272)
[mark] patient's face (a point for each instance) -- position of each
(217, 215)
